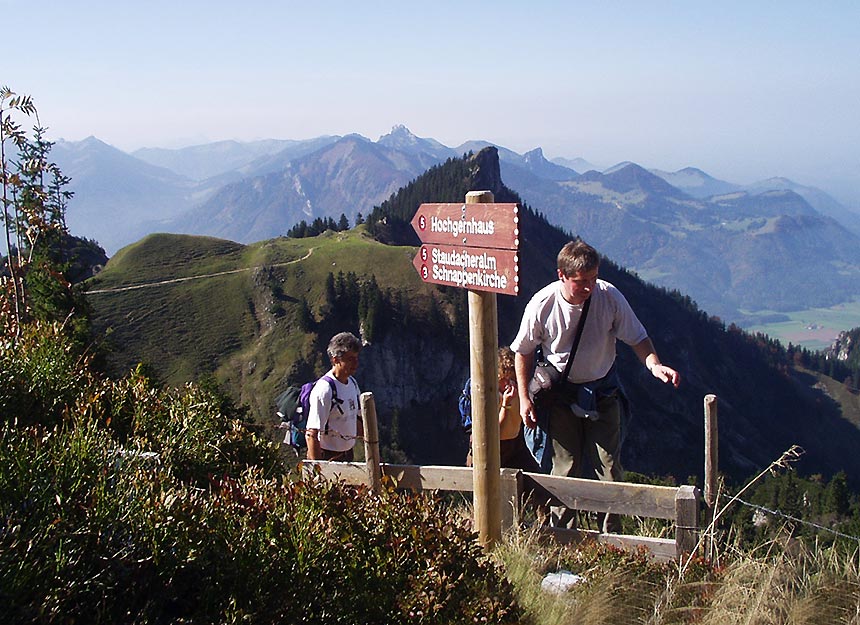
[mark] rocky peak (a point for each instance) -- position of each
(534, 156)
(399, 136)
(487, 176)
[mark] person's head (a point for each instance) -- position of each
(578, 266)
(507, 373)
(343, 352)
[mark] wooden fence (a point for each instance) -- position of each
(678, 504)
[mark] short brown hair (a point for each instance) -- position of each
(577, 256)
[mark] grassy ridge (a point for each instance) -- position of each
(169, 256)
(210, 322)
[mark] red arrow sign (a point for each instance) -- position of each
(477, 269)
(475, 225)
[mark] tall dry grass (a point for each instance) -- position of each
(784, 582)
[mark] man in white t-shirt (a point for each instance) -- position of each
(334, 419)
(550, 321)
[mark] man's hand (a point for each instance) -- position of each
(665, 374)
(527, 412)
(646, 353)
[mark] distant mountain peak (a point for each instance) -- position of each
(618, 167)
(537, 163)
(534, 155)
(401, 138)
(692, 171)
(400, 132)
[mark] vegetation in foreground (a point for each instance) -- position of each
(124, 502)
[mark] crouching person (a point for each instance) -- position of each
(334, 420)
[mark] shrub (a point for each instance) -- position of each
(96, 535)
(125, 502)
(42, 374)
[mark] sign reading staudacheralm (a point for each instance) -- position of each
(471, 246)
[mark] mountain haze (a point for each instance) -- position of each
(347, 177)
(118, 198)
(733, 249)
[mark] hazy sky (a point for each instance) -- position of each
(744, 90)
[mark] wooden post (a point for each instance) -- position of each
(711, 450)
(486, 461)
(511, 485)
(686, 519)
(371, 442)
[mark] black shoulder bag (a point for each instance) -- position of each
(547, 382)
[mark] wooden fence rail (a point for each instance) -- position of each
(680, 504)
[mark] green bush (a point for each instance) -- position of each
(42, 374)
(125, 502)
(95, 534)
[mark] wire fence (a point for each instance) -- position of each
(788, 517)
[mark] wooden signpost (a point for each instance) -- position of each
(474, 246)
(471, 245)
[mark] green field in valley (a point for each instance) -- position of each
(814, 328)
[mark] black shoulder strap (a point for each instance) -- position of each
(579, 327)
(335, 401)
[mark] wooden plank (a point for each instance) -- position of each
(662, 549)
(616, 497)
(415, 477)
(473, 268)
(371, 442)
(353, 473)
(474, 223)
(430, 477)
(711, 449)
(620, 497)
(511, 488)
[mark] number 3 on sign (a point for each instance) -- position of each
(424, 272)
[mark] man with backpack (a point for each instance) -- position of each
(334, 410)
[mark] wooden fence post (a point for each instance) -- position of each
(371, 442)
(686, 519)
(511, 487)
(711, 450)
(486, 460)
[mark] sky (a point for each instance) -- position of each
(743, 90)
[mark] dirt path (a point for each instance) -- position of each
(200, 277)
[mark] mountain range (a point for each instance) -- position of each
(733, 249)
(258, 316)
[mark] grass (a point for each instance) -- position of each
(231, 296)
(784, 581)
(814, 328)
(849, 401)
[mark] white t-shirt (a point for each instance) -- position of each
(341, 419)
(549, 321)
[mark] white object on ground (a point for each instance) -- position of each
(560, 581)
